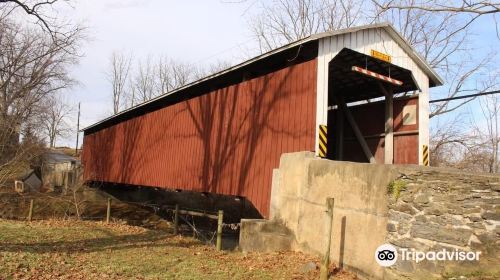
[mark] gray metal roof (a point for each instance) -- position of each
(58, 157)
(433, 76)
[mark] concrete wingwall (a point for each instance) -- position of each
(414, 207)
(298, 200)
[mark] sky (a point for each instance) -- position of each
(194, 31)
(199, 32)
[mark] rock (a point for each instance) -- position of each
(454, 209)
(491, 216)
(405, 266)
(487, 238)
(434, 210)
(409, 243)
(488, 207)
(476, 225)
(310, 266)
(494, 201)
(427, 265)
(423, 198)
(461, 197)
(421, 218)
(472, 210)
(399, 216)
(440, 247)
(445, 220)
(405, 208)
(474, 218)
(403, 227)
(407, 197)
(456, 236)
(474, 242)
(469, 205)
(481, 191)
(391, 227)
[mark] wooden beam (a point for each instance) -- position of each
(356, 130)
(377, 76)
(198, 214)
(382, 135)
(389, 125)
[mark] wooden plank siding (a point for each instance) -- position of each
(370, 118)
(226, 141)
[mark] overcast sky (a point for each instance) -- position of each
(200, 32)
(194, 31)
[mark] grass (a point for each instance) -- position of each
(56, 249)
(396, 187)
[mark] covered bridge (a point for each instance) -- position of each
(358, 94)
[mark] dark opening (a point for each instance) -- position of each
(350, 86)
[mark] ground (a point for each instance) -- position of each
(69, 249)
(91, 204)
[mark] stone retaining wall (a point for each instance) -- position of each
(437, 209)
(417, 208)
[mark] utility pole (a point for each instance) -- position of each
(77, 130)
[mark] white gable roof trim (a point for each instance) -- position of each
(419, 60)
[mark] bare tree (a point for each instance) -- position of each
(144, 80)
(130, 96)
(465, 6)
(216, 67)
(285, 21)
(465, 77)
(54, 119)
(443, 37)
(33, 66)
(151, 79)
(449, 141)
(488, 131)
(165, 75)
(42, 12)
(118, 76)
(171, 74)
(33, 8)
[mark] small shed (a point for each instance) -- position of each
(29, 182)
(55, 168)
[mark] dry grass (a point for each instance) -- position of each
(93, 250)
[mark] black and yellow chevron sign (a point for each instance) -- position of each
(425, 155)
(322, 140)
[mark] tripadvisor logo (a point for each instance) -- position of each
(387, 255)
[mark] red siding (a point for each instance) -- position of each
(227, 141)
(370, 119)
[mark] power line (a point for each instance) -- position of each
(465, 96)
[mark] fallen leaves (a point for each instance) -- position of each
(62, 249)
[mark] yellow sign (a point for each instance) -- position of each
(425, 155)
(381, 56)
(322, 140)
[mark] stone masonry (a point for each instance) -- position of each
(431, 209)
